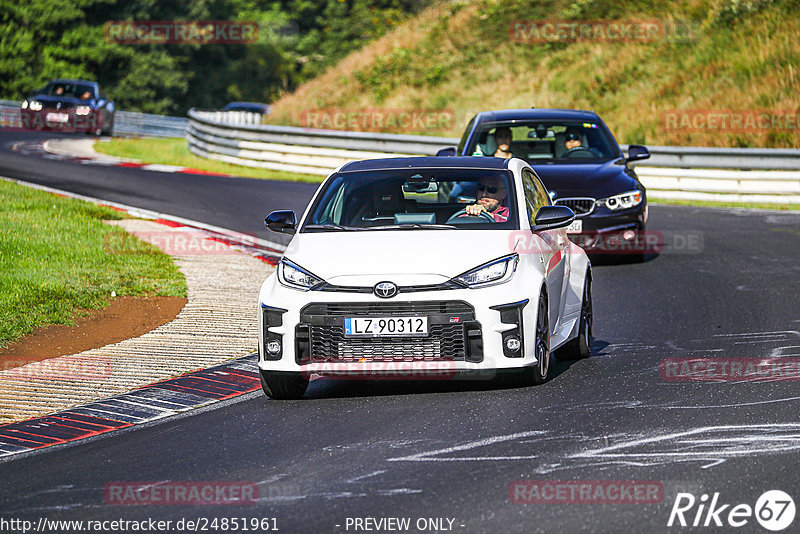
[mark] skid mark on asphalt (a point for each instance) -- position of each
(710, 446)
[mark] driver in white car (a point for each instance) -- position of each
(491, 198)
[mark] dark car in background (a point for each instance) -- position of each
(578, 160)
(70, 106)
(252, 107)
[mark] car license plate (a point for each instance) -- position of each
(575, 227)
(57, 117)
(385, 326)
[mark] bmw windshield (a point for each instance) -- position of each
(415, 199)
(540, 142)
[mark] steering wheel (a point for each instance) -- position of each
(461, 214)
(573, 153)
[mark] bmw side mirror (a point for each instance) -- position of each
(552, 217)
(283, 222)
(637, 152)
(447, 151)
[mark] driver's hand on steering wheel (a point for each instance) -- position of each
(474, 210)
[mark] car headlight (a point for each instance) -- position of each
(24, 104)
(34, 105)
(292, 275)
(83, 110)
(495, 272)
(624, 201)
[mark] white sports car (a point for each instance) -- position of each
(390, 276)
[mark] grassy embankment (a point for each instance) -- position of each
(462, 57)
(55, 261)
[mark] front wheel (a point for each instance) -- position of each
(283, 386)
(542, 367)
(581, 346)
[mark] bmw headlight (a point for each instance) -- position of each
(624, 201)
(82, 110)
(495, 272)
(35, 105)
(292, 275)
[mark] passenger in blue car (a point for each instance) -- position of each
(502, 136)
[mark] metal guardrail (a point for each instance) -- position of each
(671, 172)
(125, 122)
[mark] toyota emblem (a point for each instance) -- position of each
(385, 290)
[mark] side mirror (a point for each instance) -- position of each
(552, 217)
(283, 222)
(447, 151)
(637, 152)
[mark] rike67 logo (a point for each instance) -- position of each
(774, 510)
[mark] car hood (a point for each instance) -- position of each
(586, 179)
(405, 257)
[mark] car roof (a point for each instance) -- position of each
(525, 114)
(426, 162)
(67, 80)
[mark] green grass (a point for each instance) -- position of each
(718, 204)
(55, 261)
(173, 151)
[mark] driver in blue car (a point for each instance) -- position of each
(491, 198)
(573, 139)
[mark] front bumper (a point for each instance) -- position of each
(469, 332)
(66, 120)
(607, 231)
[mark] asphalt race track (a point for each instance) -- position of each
(725, 287)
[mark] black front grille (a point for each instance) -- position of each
(444, 342)
(453, 333)
(581, 206)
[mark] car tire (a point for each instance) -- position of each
(581, 346)
(283, 386)
(110, 130)
(539, 372)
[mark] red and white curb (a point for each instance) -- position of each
(158, 400)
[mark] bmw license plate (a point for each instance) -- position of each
(385, 326)
(57, 117)
(575, 227)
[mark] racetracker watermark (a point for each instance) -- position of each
(617, 242)
(729, 369)
(731, 120)
(175, 242)
(360, 369)
(180, 493)
(585, 492)
(74, 367)
(377, 120)
(573, 31)
(67, 120)
(194, 32)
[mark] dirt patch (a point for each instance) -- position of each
(124, 318)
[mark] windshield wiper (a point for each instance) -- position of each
(415, 226)
(337, 227)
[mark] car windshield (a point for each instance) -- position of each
(72, 90)
(544, 141)
(414, 199)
